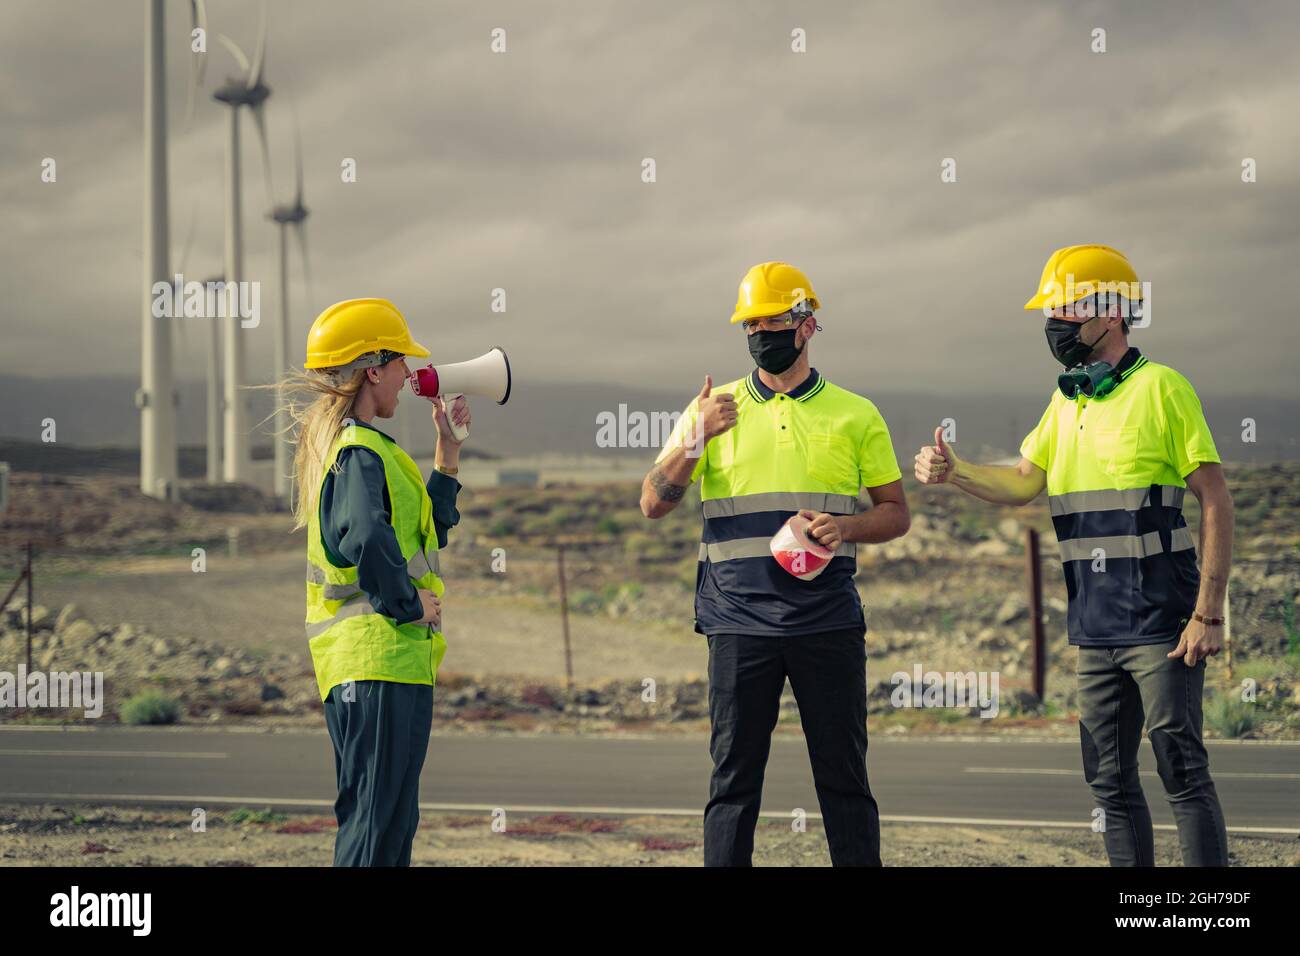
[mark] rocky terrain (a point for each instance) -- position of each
(949, 596)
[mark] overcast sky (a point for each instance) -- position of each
(522, 171)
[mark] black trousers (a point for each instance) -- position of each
(1120, 689)
(380, 731)
(828, 673)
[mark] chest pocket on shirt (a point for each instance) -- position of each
(1117, 450)
(831, 461)
(722, 451)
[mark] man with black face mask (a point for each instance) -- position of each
(1120, 442)
(779, 442)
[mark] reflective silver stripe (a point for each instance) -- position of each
(351, 609)
(780, 501)
(753, 548)
(417, 567)
(1181, 539)
(1074, 502)
(1119, 546)
(1116, 499)
(331, 592)
(420, 564)
(340, 592)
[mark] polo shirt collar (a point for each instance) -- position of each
(1130, 363)
(804, 389)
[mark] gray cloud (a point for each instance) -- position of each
(522, 171)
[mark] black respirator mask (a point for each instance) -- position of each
(775, 352)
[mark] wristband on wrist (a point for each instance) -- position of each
(445, 470)
(1212, 621)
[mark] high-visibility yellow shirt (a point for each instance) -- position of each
(816, 446)
(1115, 485)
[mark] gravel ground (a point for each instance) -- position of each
(69, 835)
(257, 603)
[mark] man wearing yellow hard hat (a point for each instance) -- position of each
(374, 530)
(783, 444)
(1122, 440)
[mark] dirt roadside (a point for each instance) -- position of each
(69, 835)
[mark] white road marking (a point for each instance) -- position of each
(488, 808)
(1053, 772)
(170, 754)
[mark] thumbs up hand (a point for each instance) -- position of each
(717, 413)
(937, 463)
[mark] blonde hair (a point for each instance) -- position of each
(317, 403)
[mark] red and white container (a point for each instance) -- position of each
(798, 553)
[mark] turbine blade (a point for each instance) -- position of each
(235, 51)
(259, 117)
(259, 55)
(297, 150)
(198, 61)
(189, 237)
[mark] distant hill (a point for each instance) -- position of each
(562, 418)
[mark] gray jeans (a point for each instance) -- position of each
(1118, 687)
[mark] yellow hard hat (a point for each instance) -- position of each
(355, 327)
(771, 288)
(1076, 272)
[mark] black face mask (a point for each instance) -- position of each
(774, 351)
(1066, 345)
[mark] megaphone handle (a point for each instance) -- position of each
(460, 431)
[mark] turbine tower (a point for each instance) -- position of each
(294, 216)
(212, 407)
(247, 90)
(212, 411)
(156, 397)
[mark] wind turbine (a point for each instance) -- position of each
(156, 398)
(212, 406)
(182, 326)
(287, 216)
(247, 90)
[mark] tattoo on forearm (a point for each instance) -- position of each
(664, 488)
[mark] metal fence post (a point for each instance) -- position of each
(1034, 582)
(564, 617)
(29, 607)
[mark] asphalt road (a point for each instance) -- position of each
(967, 780)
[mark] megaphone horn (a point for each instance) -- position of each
(488, 375)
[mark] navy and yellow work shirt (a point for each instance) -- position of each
(816, 446)
(1115, 485)
(356, 528)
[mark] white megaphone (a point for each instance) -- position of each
(487, 375)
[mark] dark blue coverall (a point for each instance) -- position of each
(380, 729)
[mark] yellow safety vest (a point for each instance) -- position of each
(349, 640)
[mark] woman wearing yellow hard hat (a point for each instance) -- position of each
(374, 529)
